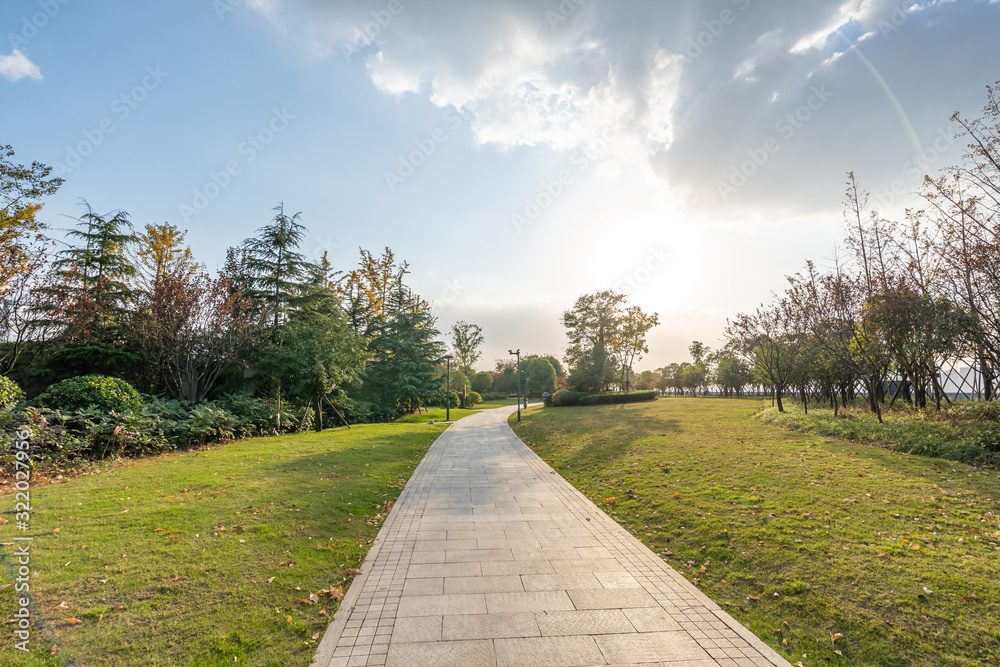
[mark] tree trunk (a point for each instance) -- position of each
(319, 414)
(777, 397)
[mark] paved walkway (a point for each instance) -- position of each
(491, 558)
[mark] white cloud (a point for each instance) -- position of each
(691, 87)
(16, 66)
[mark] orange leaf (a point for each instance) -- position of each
(73, 621)
(62, 605)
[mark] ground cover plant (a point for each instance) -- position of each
(967, 432)
(831, 551)
(237, 554)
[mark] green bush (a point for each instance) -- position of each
(494, 396)
(10, 393)
(565, 397)
(472, 398)
(101, 392)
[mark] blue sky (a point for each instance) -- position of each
(517, 154)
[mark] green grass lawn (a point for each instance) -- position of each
(208, 557)
(801, 537)
(502, 403)
(436, 415)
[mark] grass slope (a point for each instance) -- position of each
(209, 557)
(800, 537)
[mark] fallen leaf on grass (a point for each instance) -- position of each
(750, 597)
(54, 651)
(313, 597)
(160, 530)
(838, 652)
(304, 601)
(62, 605)
(836, 636)
(970, 596)
(73, 621)
(271, 579)
(5, 587)
(119, 607)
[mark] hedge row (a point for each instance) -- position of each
(565, 397)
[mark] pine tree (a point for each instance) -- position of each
(90, 297)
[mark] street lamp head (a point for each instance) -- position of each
(448, 357)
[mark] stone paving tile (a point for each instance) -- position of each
(505, 603)
(649, 647)
(490, 626)
(488, 558)
(484, 584)
(473, 653)
(548, 651)
(586, 622)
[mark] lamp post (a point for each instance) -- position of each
(517, 381)
(447, 393)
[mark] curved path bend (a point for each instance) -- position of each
(489, 557)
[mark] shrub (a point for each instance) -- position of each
(10, 393)
(565, 397)
(494, 396)
(472, 398)
(101, 392)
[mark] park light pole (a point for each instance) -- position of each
(447, 393)
(525, 397)
(517, 381)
